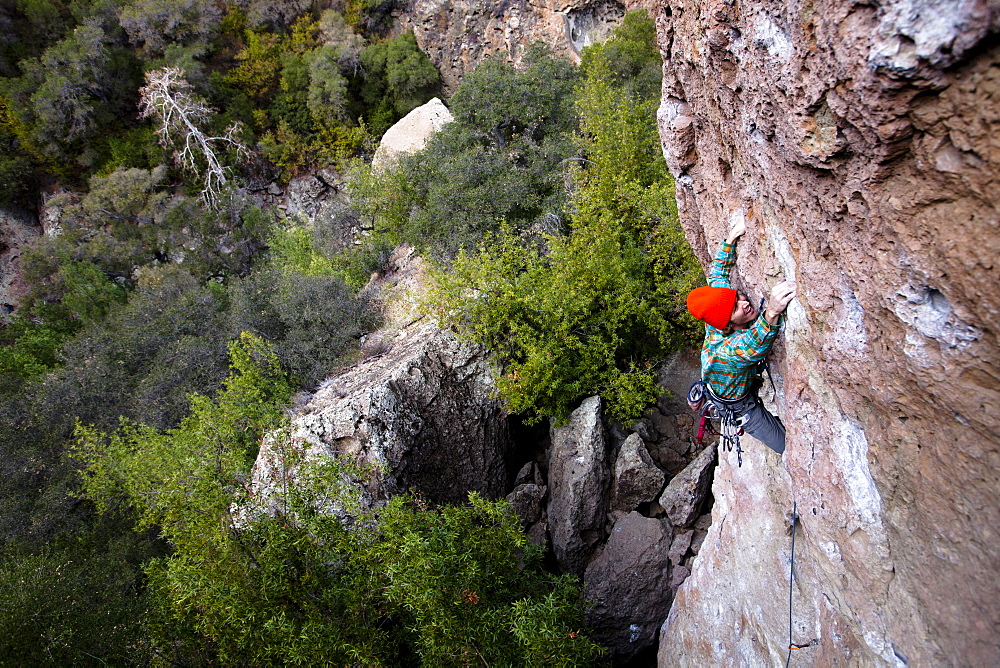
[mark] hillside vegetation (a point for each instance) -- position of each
(170, 321)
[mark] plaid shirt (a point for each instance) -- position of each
(728, 362)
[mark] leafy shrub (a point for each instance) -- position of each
(80, 601)
(455, 586)
(501, 159)
(397, 77)
(595, 312)
(471, 588)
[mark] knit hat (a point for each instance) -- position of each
(712, 305)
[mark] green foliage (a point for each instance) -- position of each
(30, 349)
(595, 312)
(501, 159)
(301, 304)
(398, 77)
(77, 602)
(498, 102)
(79, 86)
(152, 25)
(33, 339)
(327, 86)
(471, 588)
(575, 322)
(633, 65)
(292, 250)
(182, 480)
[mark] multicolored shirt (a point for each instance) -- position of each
(728, 363)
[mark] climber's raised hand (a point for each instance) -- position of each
(737, 230)
(778, 300)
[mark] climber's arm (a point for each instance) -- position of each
(718, 274)
(750, 345)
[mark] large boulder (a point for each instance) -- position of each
(421, 408)
(685, 494)
(579, 481)
(411, 132)
(858, 142)
(637, 479)
(628, 585)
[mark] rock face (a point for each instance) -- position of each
(579, 481)
(858, 141)
(17, 229)
(421, 407)
(458, 34)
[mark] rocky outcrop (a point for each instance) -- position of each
(579, 481)
(458, 34)
(420, 408)
(628, 585)
(17, 229)
(411, 132)
(684, 496)
(858, 142)
(636, 478)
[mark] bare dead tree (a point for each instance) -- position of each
(167, 97)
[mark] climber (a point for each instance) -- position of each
(737, 339)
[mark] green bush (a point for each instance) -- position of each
(397, 77)
(80, 601)
(471, 590)
(595, 310)
(501, 159)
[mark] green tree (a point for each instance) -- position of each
(397, 77)
(327, 99)
(78, 87)
(152, 25)
(471, 590)
(501, 159)
(594, 311)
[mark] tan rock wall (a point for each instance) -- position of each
(458, 34)
(860, 143)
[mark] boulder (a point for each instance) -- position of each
(411, 132)
(528, 501)
(579, 481)
(685, 493)
(637, 479)
(421, 407)
(628, 585)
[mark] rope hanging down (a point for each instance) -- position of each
(791, 575)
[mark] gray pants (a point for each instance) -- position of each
(759, 423)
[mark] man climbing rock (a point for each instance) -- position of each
(737, 339)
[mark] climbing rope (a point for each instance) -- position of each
(791, 575)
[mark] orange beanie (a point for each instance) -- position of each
(712, 305)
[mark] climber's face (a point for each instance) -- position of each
(743, 313)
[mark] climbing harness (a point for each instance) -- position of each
(710, 406)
